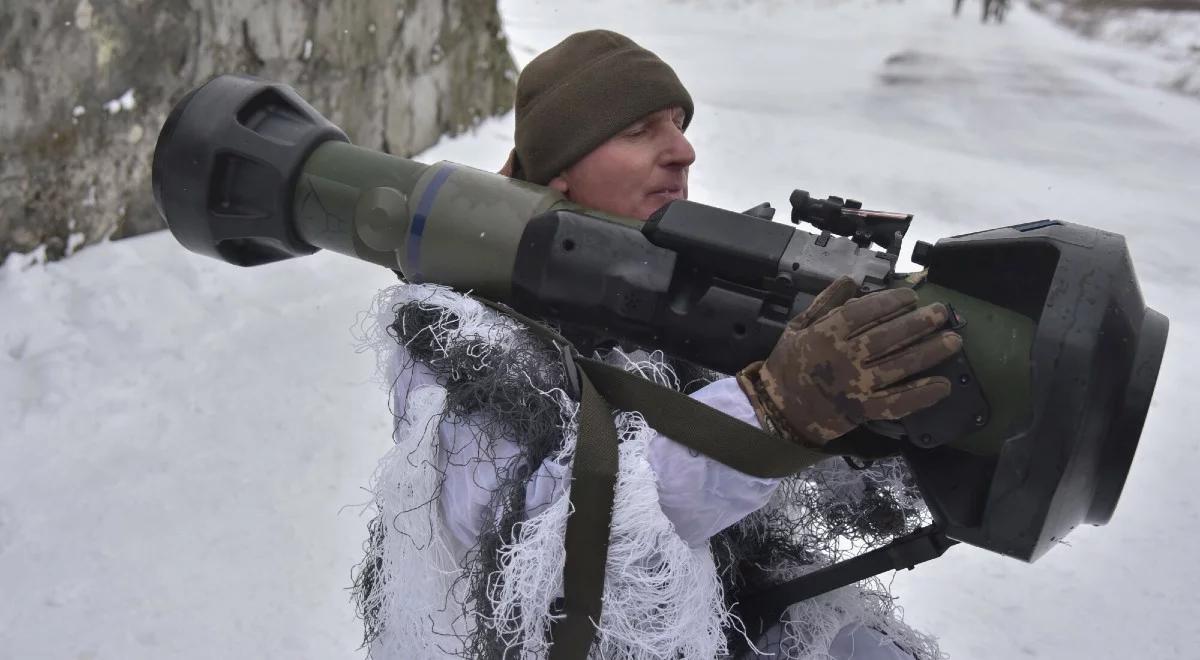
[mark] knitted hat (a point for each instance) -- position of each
(578, 94)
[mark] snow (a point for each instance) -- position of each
(122, 102)
(183, 443)
(74, 240)
(1171, 39)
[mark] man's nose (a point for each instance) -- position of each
(678, 151)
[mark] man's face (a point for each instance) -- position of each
(636, 171)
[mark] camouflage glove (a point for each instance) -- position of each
(842, 362)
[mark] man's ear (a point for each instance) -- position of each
(560, 184)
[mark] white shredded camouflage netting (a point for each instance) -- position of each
(422, 594)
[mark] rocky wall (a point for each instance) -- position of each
(86, 85)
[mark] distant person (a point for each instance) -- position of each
(992, 9)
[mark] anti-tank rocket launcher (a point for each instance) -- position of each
(1050, 393)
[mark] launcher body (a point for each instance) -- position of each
(1060, 351)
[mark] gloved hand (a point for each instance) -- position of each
(843, 362)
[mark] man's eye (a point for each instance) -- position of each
(636, 130)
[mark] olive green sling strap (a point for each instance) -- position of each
(600, 388)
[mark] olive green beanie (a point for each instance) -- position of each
(578, 94)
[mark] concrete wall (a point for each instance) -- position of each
(85, 87)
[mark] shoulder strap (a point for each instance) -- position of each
(723, 438)
(726, 439)
(602, 387)
(593, 480)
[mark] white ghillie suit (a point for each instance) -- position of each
(465, 556)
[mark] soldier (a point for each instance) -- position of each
(994, 9)
(466, 553)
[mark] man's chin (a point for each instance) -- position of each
(655, 201)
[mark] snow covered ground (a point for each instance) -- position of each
(1170, 36)
(183, 443)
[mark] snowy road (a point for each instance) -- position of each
(182, 443)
